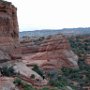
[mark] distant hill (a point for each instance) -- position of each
(65, 31)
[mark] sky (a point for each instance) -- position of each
(52, 14)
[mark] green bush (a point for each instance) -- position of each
(7, 71)
(28, 87)
(38, 70)
(17, 82)
(45, 88)
(32, 76)
(68, 71)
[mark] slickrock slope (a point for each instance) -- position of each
(8, 28)
(26, 72)
(56, 50)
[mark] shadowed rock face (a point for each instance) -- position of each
(8, 27)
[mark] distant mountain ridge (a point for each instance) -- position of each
(46, 32)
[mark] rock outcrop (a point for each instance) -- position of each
(4, 56)
(6, 83)
(56, 50)
(26, 73)
(87, 60)
(9, 32)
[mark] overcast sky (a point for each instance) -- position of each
(52, 14)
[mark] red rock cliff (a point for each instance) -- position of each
(9, 32)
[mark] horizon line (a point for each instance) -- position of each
(52, 29)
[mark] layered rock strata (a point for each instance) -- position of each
(9, 32)
(54, 50)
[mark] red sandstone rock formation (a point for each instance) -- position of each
(56, 50)
(8, 23)
(9, 32)
(56, 42)
(87, 59)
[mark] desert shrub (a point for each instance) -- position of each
(32, 76)
(28, 87)
(17, 82)
(7, 71)
(83, 66)
(38, 70)
(59, 84)
(25, 86)
(72, 74)
(45, 88)
(68, 71)
(52, 74)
